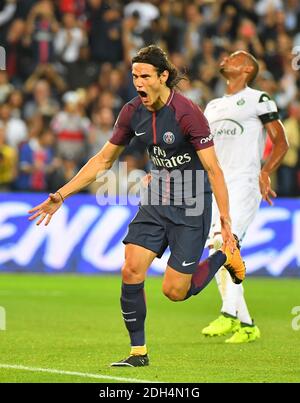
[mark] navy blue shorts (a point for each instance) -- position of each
(156, 227)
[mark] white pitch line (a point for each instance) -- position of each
(74, 373)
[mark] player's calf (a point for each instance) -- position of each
(205, 272)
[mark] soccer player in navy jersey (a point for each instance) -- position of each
(180, 145)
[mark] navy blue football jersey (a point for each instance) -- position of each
(172, 136)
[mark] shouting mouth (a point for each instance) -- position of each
(143, 95)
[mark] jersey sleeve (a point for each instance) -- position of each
(206, 110)
(266, 109)
(195, 126)
(122, 132)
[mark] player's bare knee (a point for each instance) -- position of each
(131, 272)
(174, 294)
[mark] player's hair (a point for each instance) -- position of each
(154, 55)
(255, 65)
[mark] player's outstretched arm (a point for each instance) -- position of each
(275, 130)
(98, 164)
(211, 164)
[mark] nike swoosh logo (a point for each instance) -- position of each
(187, 264)
(139, 134)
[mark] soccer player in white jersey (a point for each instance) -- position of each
(239, 122)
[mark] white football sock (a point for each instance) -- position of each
(228, 290)
(242, 310)
(232, 294)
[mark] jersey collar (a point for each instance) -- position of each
(236, 93)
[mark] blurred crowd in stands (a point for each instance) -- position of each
(68, 74)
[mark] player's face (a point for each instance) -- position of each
(147, 83)
(232, 65)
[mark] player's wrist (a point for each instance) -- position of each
(225, 220)
(265, 172)
(60, 195)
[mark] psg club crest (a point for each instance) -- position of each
(169, 138)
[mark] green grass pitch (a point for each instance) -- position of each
(73, 323)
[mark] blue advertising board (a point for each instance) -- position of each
(84, 237)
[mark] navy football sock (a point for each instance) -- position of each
(205, 272)
(134, 312)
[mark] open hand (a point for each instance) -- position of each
(46, 209)
(265, 188)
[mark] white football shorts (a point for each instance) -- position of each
(244, 201)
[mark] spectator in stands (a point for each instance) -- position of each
(108, 99)
(23, 8)
(18, 60)
(118, 84)
(16, 101)
(45, 72)
(41, 26)
(15, 129)
(84, 71)
(146, 11)
(35, 125)
(71, 129)
(266, 83)
(207, 53)
(287, 172)
(67, 43)
(36, 162)
(132, 38)
(76, 7)
(105, 36)
(171, 28)
(5, 86)
(194, 31)
(287, 83)
(100, 130)
(42, 103)
(247, 33)
(7, 11)
(8, 163)
(292, 16)
(263, 6)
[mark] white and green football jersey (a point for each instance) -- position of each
(236, 122)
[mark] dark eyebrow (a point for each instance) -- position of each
(142, 75)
